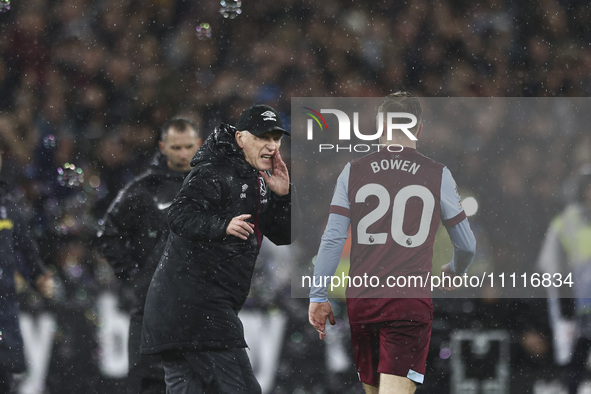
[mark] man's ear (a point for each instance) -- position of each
(239, 136)
(161, 146)
(419, 130)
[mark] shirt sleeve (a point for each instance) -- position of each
(457, 225)
(340, 199)
(452, 211)
(464, 243)
(333, 239)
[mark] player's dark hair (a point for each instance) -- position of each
(402, 102)
(179, 124)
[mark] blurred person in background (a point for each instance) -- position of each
(75, 352)
(567, 251)
(134, 232)
(114, 161)
(19, 253)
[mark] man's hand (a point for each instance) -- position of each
(45, 285)
(278, 182)
(318, 312)
(446, 269)
(239, 227)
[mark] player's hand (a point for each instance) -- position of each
(278, 182)
(446, 269)
(318, 312)
(239, 227)
(46, 285)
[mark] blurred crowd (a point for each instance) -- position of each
(85, 86)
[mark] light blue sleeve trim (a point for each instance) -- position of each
(341, 192)
(415, 376)
(451, 202)
(315, 299)
(329, 254)
(464, 243)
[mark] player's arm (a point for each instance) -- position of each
(553, 259)
(327, 260)
(117, 229)
(457, 225)
(329, 254)
(552, 256)
(464, 244)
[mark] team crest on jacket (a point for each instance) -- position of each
(243, 194)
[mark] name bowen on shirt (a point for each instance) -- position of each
(395, 164)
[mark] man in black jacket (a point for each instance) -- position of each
(19, 253)
(134, 232)
(237, 192)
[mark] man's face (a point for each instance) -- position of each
(179, 148)
(259, 151)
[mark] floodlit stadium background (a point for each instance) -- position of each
(88, 83)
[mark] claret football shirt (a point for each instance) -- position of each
(393, 203)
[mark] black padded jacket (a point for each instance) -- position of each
(204, 275)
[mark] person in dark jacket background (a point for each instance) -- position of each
(238, 191)
(134, 232)
(19, 253)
